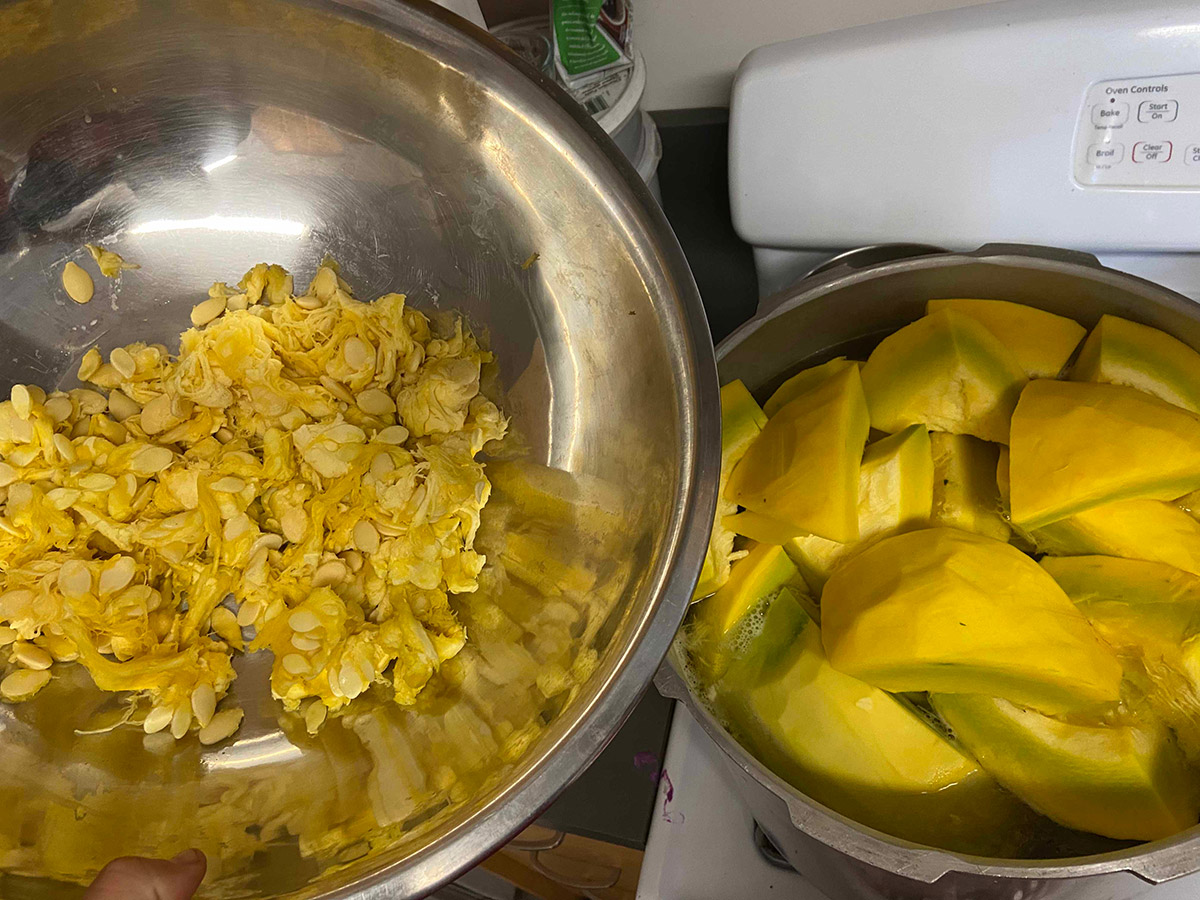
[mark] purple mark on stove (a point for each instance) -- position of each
(647, 760)
(670, 817)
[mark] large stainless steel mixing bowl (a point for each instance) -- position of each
(846, 309)
(198, 137)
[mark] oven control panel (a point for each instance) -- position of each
(1140, 133)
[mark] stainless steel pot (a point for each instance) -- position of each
(199, 137)
(850, 305)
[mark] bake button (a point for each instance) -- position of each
(1151, 151)
(1106, 115)
(1106, 154)
(1158, 110)
(1191, 155)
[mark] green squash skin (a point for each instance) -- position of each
(1128, 782)
(785, 682)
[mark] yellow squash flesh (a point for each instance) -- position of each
(1149, 613)
(856, 748)
(1041, 342)
(803, 468)
(1134, 529)
(945, 371)
(1150, 606)
(1126, 781)
(760, 528)
(895, 492)
(1122, 352)
(741, 422)
(966, 494)
(753, 578)
(1077, 445)
(951, 611)
(805, 381)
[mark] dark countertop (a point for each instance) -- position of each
(613, 799)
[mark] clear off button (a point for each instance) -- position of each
(1106, 115)
(1191, 155)
(1151, 151)
(1105, 154)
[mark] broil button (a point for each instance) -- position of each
(1105, 154)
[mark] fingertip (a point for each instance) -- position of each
(190, 857)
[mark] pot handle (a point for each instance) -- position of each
(843, 264)
(1165, 864)
(669, 683)
(875, 254)
(923, 865)
(1057, 254)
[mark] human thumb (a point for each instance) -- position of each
(137, 878)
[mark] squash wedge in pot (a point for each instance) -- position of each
(1041, 341)
(856, 748)
(805, 381)
(1125, 781)
(1077, 445)
(965, 490)
(956, 612)
(1150, 606)
(753, 579)
(1135, 529)
(1119, 351)
(741, 422)
(803, 468)
(945, 371)
(895, 492)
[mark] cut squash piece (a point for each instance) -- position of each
(1002, 480)
(1122, 352)
(1134, 529)
(1040, 341)
(1077, 445)
(857, 749)
(803, 468)
(1149, 613)
(951, 611)
(1134, 604)
(741, 422)
(965, 490)
(752, 579)
(945, 371)
(895, 492)
(760, 528)
(1124, 781)
(805, 381)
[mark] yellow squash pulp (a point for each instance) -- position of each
(310, 455)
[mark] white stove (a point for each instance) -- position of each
(1065, 123)
(703, 844)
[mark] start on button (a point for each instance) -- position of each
(1151, 151)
